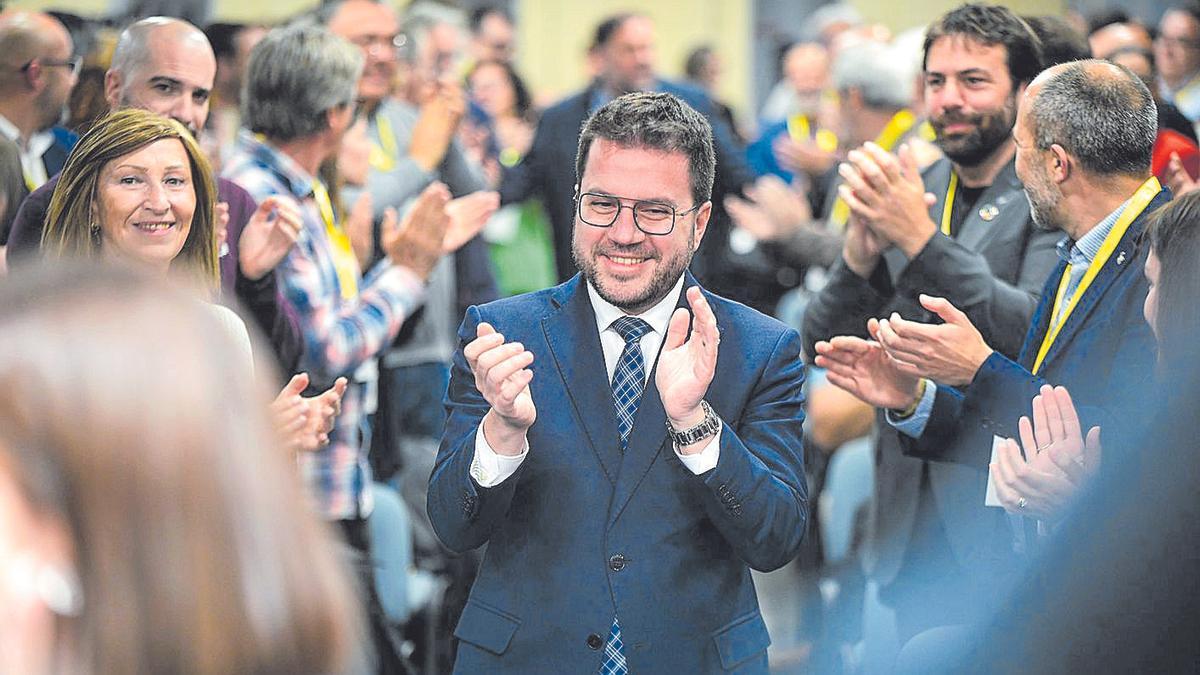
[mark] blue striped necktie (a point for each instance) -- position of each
(628, 381)
(629, 377)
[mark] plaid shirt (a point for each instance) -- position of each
(339, 335)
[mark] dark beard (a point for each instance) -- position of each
(654, 292)
(991, 131)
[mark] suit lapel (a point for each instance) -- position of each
(1121, 262)
(1040, 322)
(575, 344)
(649, 434)
(55, 158)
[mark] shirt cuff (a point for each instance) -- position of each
(706, 459)
(490, 468)
(914, 425)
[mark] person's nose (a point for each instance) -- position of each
(624, 229)
(185, 111)
(157, 200)
(950, 96)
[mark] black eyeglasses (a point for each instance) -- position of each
(653, 218)
(74, 63)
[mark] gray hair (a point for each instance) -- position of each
(296, 74)
(884, 78)
(419, 21)
(1100, 113)
(658, 122)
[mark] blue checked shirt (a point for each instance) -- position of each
(339, 335)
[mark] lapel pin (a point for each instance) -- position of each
(1121, 258)
(989, 212)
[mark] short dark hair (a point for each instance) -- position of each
(522, 100)
(991, 25)
(1175, 239)
(1106, 18)
(693, 66)
(1061, 43)
(608, 27)
(475, 20)
(1100, 113)
(654, 121)
(222, 37)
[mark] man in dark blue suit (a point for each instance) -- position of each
(1084, 135)
(624, 472)
(623, 50)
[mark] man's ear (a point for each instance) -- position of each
(703, 214)
(112, 88)
(1061, 163)
(34, 75)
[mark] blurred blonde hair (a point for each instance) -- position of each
(195, 549)
(72, 210)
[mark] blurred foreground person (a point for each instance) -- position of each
(149, 520)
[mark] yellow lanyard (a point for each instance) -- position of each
(344, 261)
(799, 129)
(29, 181)
(896, 127)
(383, 155)
(948, 207)
(1138, 203)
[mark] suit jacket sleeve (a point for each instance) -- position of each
(845, 303)
(731, 157)
(520, 182)
(1003, 390)
(463, 513)
(1000, 310)
(25, 237)
(460, 174)
(757, 494)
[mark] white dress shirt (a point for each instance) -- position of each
(489, 469)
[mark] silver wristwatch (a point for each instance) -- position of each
(708, 427)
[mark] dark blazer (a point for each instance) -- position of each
(548, 169)
(54, 158)
(992, 270)
(582, 533)
(1104, 354)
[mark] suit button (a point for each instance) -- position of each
(616, 563)
(595, 642)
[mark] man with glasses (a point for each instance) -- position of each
(37, 71)
(627, 444)
(1177, 56)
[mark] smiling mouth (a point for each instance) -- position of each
(625, 260)
(154, 227)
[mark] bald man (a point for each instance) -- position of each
(37, 73)
(167, 66)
